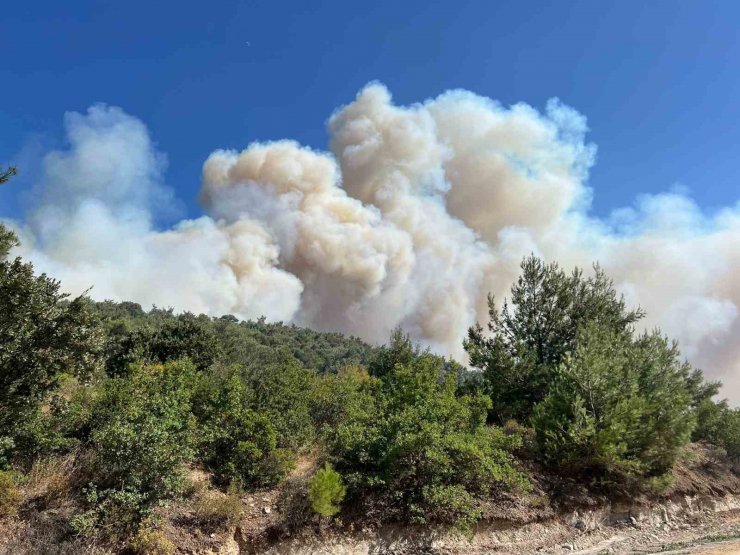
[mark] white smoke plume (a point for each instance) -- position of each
(412, 219)
(92, 226)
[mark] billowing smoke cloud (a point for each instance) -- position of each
(92, 226)
(412, 219)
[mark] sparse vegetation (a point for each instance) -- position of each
(213, 508)
(151, 541)
(10, 495)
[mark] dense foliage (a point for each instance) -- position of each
(562, 356)
(136, 398)
(413, 439)
(536, 328)
(617, 406)
(42, 336)
(719, 424)
(239, 442)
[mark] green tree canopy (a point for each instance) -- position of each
(617, 407)
(528, 338)
(42, 335)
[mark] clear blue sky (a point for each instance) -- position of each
(658, 80)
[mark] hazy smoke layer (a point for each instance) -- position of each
(419, 212)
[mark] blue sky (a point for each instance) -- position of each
(659, 81)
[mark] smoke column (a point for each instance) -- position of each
(411, 219)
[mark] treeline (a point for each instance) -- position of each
(560, 380)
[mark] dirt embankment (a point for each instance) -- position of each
(698, 513)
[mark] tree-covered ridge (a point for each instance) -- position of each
(560, 380)
(160, 334)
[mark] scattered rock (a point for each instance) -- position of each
(267, 510)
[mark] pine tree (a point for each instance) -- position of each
(326, 491)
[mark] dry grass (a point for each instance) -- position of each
(50, 480)
(151, 541)
(197, 482)
(214, 508)
(10, 494)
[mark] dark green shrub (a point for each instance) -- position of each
(282, 392)
(451, 504)
(144, 430)
(61, 423)
(417, 442)
(42, 335)
(339, 398)
(718, 424)
(239, 443)
(617, 407)
(534, 330)
(400, 350)
(167, 338)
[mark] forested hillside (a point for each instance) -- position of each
(107, 410)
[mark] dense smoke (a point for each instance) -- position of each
(412, 219)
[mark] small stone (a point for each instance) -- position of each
(212, 536)
(267, 510)
(633, 520)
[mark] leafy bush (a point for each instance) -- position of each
(83, 524)
(173, 338)
(326, 491)
(617, 407)
(347, 396)
(282, 392)
(61, 422)
(417, 442)
(718, 424)
(42, 335)
(144, 430)
(113, 514)
(452, 504)
(237, 442)
(400, 350)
